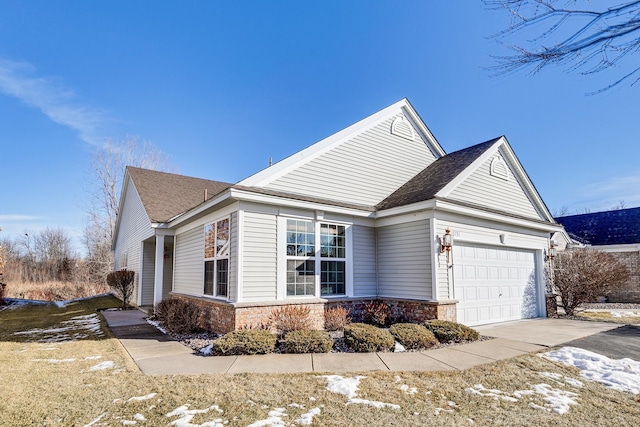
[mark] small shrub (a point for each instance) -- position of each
(178, 316)
(377, 313)
(413, 336)
(446, 331)
(121, 282)
(244, 342)
(365, 338)
(308, 341)
(336, 318)
(290, 318)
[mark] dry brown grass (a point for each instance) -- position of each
(606, 316)
(53, 291)
(37, 390)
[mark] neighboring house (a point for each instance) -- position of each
(358, 216)
(617, 232)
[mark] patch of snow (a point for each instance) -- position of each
(295, 405)
(624, 314)
(93, 357)
(207, 351)
(102, 366)
(129, 422)
(275, 419)
(78, 327)
(408, 390)
(307, 418)
(480, 390)
(349, 387)
(139, 417)
(373, 403)
(95, 420)
(311, 398)
(399, 348)
(438, 411)
(560, 379)
(186, 415)
(55, 360)
(156, 324)
(141, 398)
(618, 374)
(558, 401)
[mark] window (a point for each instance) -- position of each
(315, 253)
(216, 258)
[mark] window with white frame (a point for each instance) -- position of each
(216, 258)
(316, 253)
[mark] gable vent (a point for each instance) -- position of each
(402, 128)
(499, 168)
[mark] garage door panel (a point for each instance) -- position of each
(494, 284)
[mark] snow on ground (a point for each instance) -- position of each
(619, 374)
(275, 419)
(186, 415)
(624, 314)
(140, 398)
(349, 387)
(307, 418)
(78, 327)
(108, 364)
(557, 400)
(156, 324)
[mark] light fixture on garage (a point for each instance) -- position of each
(446, 241)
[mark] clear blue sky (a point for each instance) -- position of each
(222, 86)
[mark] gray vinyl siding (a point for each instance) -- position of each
(148, 272)
(364, 261)
(134, 228)
(404, 261)
(484, 189)
(259, 252)
(364, 170)
(188, 275)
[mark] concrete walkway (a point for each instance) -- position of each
(157, 354)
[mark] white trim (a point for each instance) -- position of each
(270, 174)
(435, 251)
(240, 257)
(349, 274)
(215, 258)
(540, 282)
(397, 128)
(158, 279)
(174, 222)
(140, 267)
(631, 247)
(462, 176)
(281, 258)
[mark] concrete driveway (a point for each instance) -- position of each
(545, 332)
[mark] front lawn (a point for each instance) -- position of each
(92, 381)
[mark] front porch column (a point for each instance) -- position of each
(159, 272)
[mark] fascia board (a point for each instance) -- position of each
(405, 209)
(478, 213)
(462, 176)
(270, 174)
(123, 195)
(248, 196)
(198, 210)
(526, 181)
(630, 247)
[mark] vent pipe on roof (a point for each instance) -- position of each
(270, 161)
(206, 194)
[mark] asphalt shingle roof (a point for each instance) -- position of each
(617, 227)
(427, 183)
(165, 195)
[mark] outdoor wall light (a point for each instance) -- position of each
(446, 241)
(552, 250)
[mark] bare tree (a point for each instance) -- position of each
(584, 36)
(108, 166)
(620, 205)
(583, 275)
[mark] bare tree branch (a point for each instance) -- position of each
(584, 40)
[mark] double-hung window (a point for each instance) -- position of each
(216, 258)
(316, 256)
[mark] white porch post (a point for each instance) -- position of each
(159, 272)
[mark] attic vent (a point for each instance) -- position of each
(402, 128)
(499, 169)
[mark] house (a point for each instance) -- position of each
(616, 232)
(375, 211)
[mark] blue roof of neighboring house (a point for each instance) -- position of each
(617, 227)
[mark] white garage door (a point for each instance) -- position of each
(494, 284)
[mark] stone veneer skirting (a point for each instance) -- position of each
(223, 317)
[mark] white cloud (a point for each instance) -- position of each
(18, 218)
(603, 195)
(18, 79)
